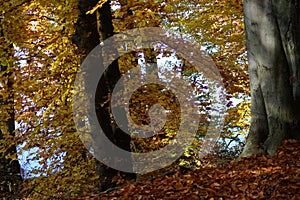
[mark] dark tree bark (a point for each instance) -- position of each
(10, 171)
(91, 29)
(273, 45)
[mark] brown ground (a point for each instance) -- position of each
(256, 177)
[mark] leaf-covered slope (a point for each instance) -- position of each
(255, 177)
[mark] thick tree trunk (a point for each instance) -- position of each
(87, 37)
(10, 171)
(273, 45)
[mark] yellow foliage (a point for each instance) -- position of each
(45, 62)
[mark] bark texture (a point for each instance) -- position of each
(273, 45)
(91, 29)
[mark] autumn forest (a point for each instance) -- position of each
(149, 99)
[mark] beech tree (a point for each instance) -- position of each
(93, 26)
(273, 45)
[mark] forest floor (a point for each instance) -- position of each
(255, 177)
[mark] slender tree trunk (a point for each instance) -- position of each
(273, 45)
(10, 171)
(91, 30)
